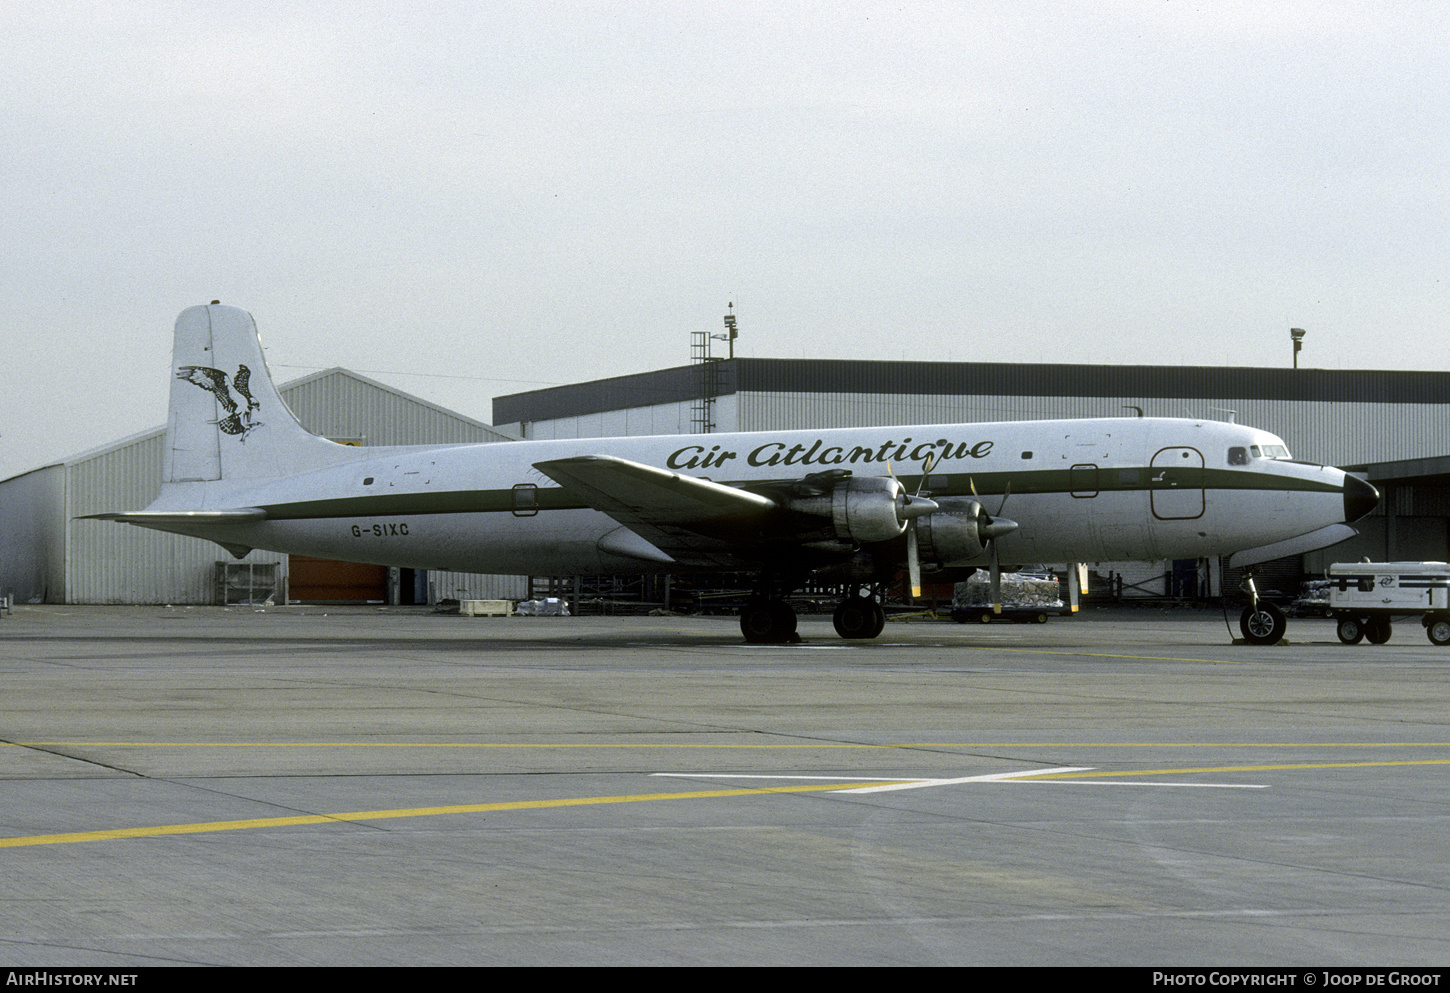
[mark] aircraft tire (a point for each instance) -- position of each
(1378, 630)
(1438, 631)
(767, 622)
(1350, 630)
(1263, 626)
(859, 618)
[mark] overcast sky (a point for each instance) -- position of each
(465, 200)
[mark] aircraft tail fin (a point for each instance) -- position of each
(227, 420)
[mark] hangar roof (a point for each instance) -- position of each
(750, 375)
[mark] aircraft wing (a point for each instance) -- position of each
(681, 515)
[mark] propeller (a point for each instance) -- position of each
(991, 529)
(916, 505)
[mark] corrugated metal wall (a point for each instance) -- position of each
(116, 563)
(665, 418)
(32, 535)
(344, 406)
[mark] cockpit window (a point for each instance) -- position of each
(1262, 452)
(1238, 455)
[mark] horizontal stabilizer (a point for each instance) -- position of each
(179, 520)
(1311, 542)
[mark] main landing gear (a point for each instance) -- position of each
(859, 617)
(768, 620)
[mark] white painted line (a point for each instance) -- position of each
(742, 775)
(989, 778)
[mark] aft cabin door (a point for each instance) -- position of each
(1175, 484)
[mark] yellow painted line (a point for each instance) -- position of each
(1105, 655)
(378, 815)
(1100, 774)
(767, 747)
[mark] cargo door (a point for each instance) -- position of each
(1175, 484)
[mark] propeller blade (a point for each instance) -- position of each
(913, 561)
(994, 581)
(926, 467)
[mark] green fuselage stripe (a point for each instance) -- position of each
(1080, 482)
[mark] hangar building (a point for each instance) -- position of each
(47, 556)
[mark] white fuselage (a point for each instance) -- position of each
(1083, 490)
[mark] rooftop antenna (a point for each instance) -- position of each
(1298, 335)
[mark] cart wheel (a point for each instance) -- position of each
(1040, 619)
(986, 618)
(1439, 631)
(1350, 630)
(1378, 630)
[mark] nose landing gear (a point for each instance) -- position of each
(1262, 623)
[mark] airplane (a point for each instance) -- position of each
(846, 505)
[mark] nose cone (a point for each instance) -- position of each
(1359, 498)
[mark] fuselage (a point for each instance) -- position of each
(1087, 490)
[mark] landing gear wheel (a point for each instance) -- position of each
(1350, 630)
(859, 618)
(767, 622)
(1378, 630)
(1439, 631)
(1264, 624)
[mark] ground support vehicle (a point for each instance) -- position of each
(1365, 596)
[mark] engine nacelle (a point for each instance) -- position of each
(954, 534)
(862, 508)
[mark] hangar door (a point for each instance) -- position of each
(312, 580)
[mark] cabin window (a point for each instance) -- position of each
(367, 480)
(1254, 451)
(1238, 455)
(1275, 452)
(526, 499)
(1027, 455)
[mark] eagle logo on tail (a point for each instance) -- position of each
(239, 420)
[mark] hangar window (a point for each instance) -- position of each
(1238, 455)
